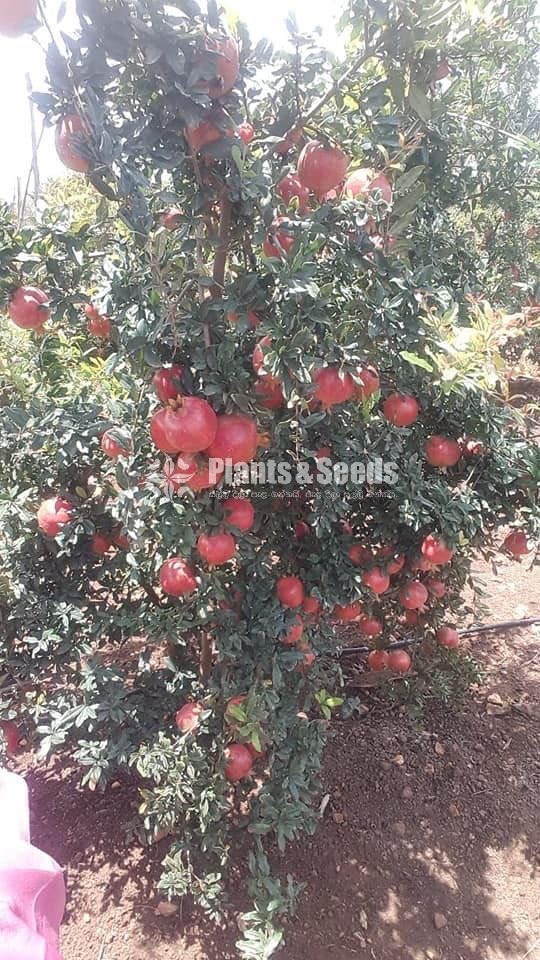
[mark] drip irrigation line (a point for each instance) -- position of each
(469, 632)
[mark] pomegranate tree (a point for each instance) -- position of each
(261, 439)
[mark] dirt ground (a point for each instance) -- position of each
(428, 847)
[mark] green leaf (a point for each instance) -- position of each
(419, 102)
(416, 361)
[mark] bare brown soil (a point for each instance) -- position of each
(428, 847)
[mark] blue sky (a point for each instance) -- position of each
(25, 55)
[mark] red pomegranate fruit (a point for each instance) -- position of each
(399, 661)
(311, 606)
(188, 428)
(347, 612)
(238, 762)
(167, 382)
(364, 183)
(292, 191)
(217, 548)
(401, 409)
(29, 308)
(435, 550)
(441, 451)
(70, 137)
(516, 543)
(377, 580)
(113, 447)
(98, 325)
(177, 577)
(413, 595)
(171, 218)
(447, 636)
(369, 382)
(100, 544)
(321, 168)
(370, 627)
(332, 386)
(16, 16)
(377, 660)
(239, 512)
(278, 244)
(246, 132)
(293, 633)
(53, 514)
(236, 438)
(290, 591)
(187, 719)
(225, 66)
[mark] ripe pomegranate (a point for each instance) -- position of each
(98, 325)
(396, 564)
(257, 358)
(411, 617)
(369, 382)
(167, 382)
(332, 386)
(246, 132)
(447, 636)
(311, 606)
(171, 218)
(370, 627)
(11, 735)
(204, 134)
(346, 613)
(190, 427)
(321, 168)
(359, 554)
(436, 587)
(239, 512)
(283, 146)
(177, 577)
(377, 660)
(377, 580)
(252, 318)
(290, 591)
(53, 514)
(217, 548)
(100, 544)
(192, 472)
(441, 71)
(532, 233)
(278, 244)
(225, 67)
(269, 393)
(114, 448)
(290, 188)
(413, 596)
(238, 762)
(399, 660)
(364, 182)
(236, 438)
(29, 308)
(71, 134)
(441, 451)
(516, 543)
(401, 409)
(435, 550)
(323, 453)
(16, 16)
(293, 633)
(301, 530)
(188, 717)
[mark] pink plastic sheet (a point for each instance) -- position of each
(32, 891)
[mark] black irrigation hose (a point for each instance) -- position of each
(469, 632)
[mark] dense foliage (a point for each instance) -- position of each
(361, 296)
